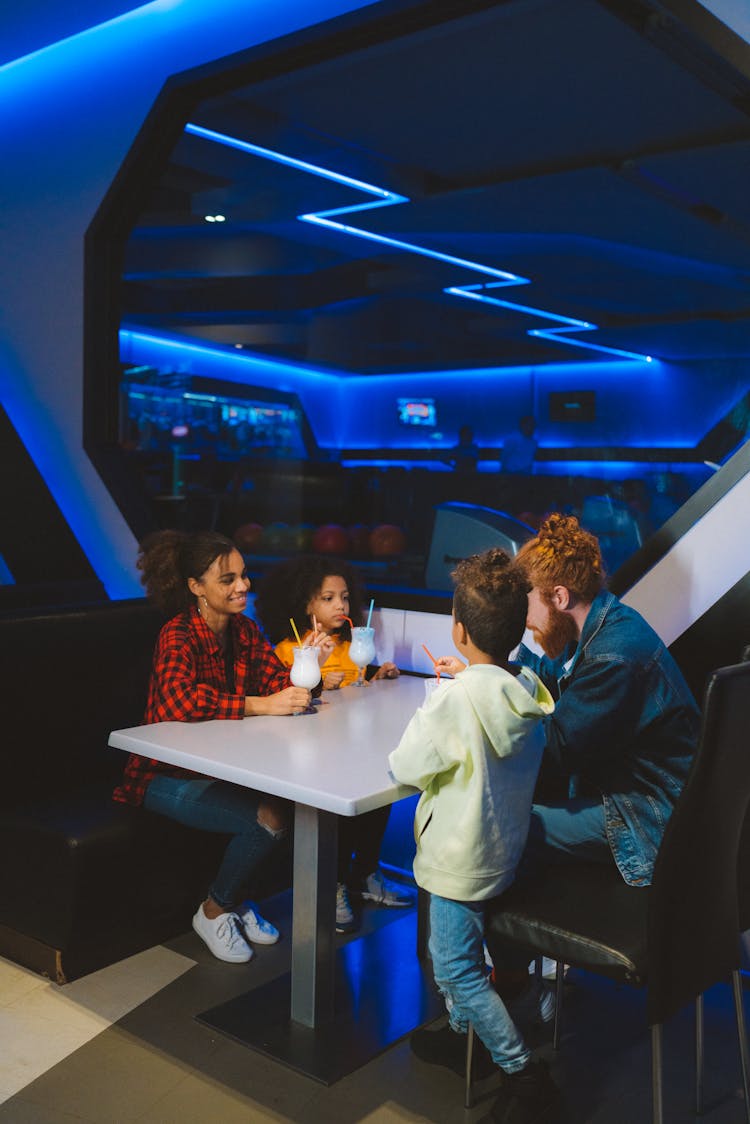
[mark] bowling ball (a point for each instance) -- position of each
(331, 538)
(387, 540)
(359, 540)
(300, 537)
(275, 538)
(247, 537)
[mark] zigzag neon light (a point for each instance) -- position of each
(385, 198)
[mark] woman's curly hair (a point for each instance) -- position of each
(491, 601)
(287, 589)
(562, 553)
(167, 559)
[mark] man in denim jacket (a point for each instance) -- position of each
(621, 739)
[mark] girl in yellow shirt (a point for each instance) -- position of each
(314, 590)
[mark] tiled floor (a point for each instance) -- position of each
(123, 1046)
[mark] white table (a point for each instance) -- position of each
(330, 763)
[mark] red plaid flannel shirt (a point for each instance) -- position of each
(189, 684)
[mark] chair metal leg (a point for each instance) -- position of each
(739, 1011)
(656, 1082)
(469, 1092)
(699, 1055)
(559, 981)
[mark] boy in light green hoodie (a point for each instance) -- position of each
(474, 749)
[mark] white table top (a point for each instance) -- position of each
(335, 760)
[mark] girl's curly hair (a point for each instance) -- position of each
(287, 589)
(562, 553)
(168, 558)
(491, 601)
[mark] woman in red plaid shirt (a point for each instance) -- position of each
(211, 661)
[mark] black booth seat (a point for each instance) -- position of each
(83, 881)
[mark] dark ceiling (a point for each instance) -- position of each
(599, 150)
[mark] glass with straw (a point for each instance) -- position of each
(305, 669)
(431, 685)
(362, 647)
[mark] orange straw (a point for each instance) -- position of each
(291, 621)
(351, 624)
(434, 661)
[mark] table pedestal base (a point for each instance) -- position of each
(382, 994)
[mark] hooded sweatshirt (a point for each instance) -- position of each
(474, 749)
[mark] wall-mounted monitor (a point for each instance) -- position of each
(417, 411)
(572, 406)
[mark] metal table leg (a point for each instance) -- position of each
(313, 912)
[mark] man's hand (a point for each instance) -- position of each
(387, 670)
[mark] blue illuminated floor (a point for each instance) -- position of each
(158, 1065)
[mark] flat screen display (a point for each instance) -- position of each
(572, 406)
(417, 411)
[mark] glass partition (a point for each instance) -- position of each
(405, 285)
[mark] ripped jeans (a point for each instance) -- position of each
(221, 807)
(457, 951)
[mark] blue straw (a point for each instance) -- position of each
(369, 615)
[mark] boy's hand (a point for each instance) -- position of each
(449, 665)
(387, 670)
(332, 680)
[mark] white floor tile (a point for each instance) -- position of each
(41, 1023)
(17, 982)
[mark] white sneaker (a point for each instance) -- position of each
(223, 935)
(377, 888)
(535, 1006)
(257, 929)
(346, 922)
(549, 968)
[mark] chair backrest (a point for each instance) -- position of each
(70, 675)
(693, 911)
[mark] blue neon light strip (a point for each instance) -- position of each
(555, 334)
(385, 198)
(66, 41)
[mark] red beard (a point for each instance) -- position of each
(560, 632)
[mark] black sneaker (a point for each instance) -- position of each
(527, 1097)
(448, 1048)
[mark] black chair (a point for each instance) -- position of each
(679, 936)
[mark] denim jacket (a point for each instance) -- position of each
(625, 726)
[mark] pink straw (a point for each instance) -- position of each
(434, 661)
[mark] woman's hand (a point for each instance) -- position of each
(332, 680)
(292, 700)
(387, 670)
(449, 665)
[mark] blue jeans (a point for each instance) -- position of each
(221, 807)
(573, 831)
(457, 951)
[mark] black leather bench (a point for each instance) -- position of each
(84, 881)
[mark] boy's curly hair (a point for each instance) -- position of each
(287, 589)
(562, 553)
(491, 602)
